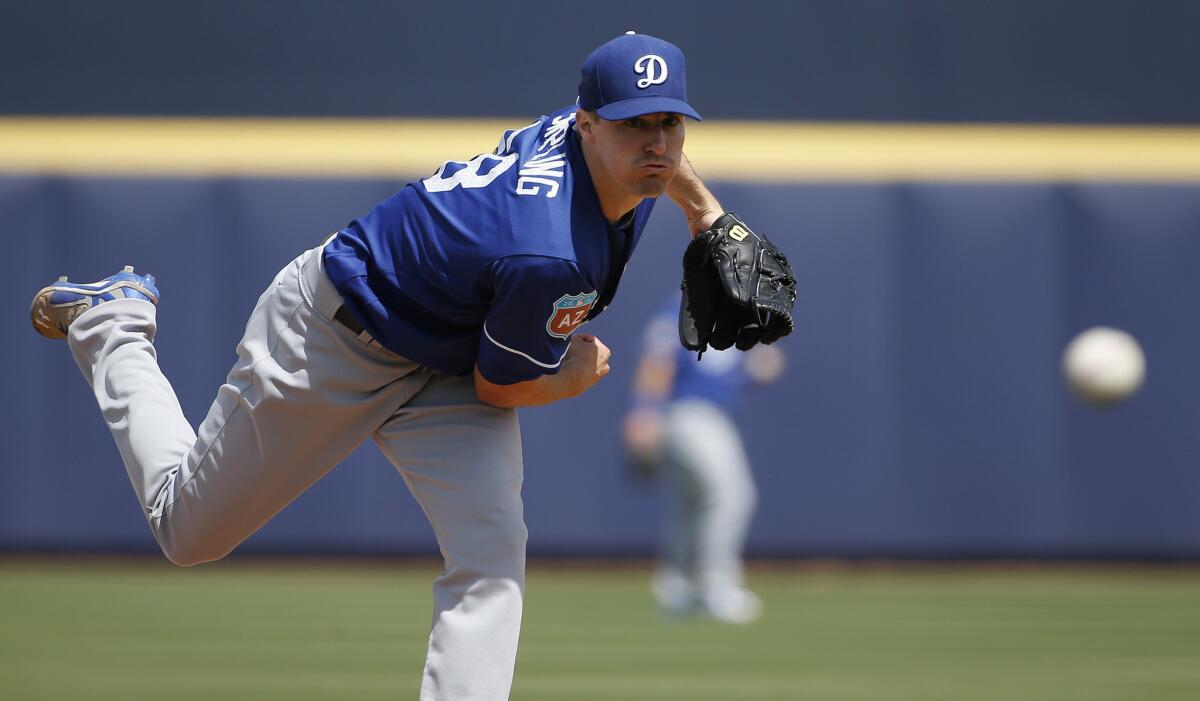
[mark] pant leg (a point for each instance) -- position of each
(462, 460)
(684, 495)
(673, 583)
(705, 446)
(301, 396)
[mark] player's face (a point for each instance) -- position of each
(640, 154)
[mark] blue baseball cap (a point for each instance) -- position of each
(632, 75)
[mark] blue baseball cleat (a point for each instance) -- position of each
(57, 305)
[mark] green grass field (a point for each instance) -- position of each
(97, 629)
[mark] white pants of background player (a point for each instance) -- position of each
(712, 501)
(304, 393)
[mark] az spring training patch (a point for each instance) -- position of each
(569, 312)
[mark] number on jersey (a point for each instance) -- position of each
(480, 171)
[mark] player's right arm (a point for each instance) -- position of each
(529, 351)
(653, 381)
(584, 364)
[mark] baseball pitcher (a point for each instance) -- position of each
(421, 326)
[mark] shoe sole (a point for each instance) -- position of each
(40, 310)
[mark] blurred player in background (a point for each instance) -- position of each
(422, 326)
(681, 428)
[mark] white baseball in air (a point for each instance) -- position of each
(1104, 366)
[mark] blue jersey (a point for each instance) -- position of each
(720, 377)
(492, 262)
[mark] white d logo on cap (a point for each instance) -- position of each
(653, 67)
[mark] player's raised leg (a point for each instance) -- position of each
(462, 461)
(116, 319)
(301, 396)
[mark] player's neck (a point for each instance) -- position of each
(615, 200)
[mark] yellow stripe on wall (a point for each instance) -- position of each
(757, 151)
(927, 152)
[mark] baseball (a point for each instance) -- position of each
(1104, 366)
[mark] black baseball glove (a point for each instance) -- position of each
(738, 289)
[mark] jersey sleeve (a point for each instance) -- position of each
(537, 302)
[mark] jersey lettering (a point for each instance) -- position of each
(539, 171)
(545, 170)
(556, 133)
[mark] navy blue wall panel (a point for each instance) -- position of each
(1136, 262)
(922, 409)
(918, 60)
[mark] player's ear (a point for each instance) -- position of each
(584, 123)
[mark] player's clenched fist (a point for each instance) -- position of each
(584, 363)
(586, 360)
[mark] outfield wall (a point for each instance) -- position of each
(922, 411)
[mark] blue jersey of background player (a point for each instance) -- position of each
(490, 262)
(720, 379)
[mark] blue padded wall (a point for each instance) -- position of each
(922, 411)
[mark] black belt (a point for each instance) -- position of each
(346, 317)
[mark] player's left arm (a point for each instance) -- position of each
(687, 191)
(738, 288)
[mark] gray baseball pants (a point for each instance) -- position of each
(713, 496)
(303, 394)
